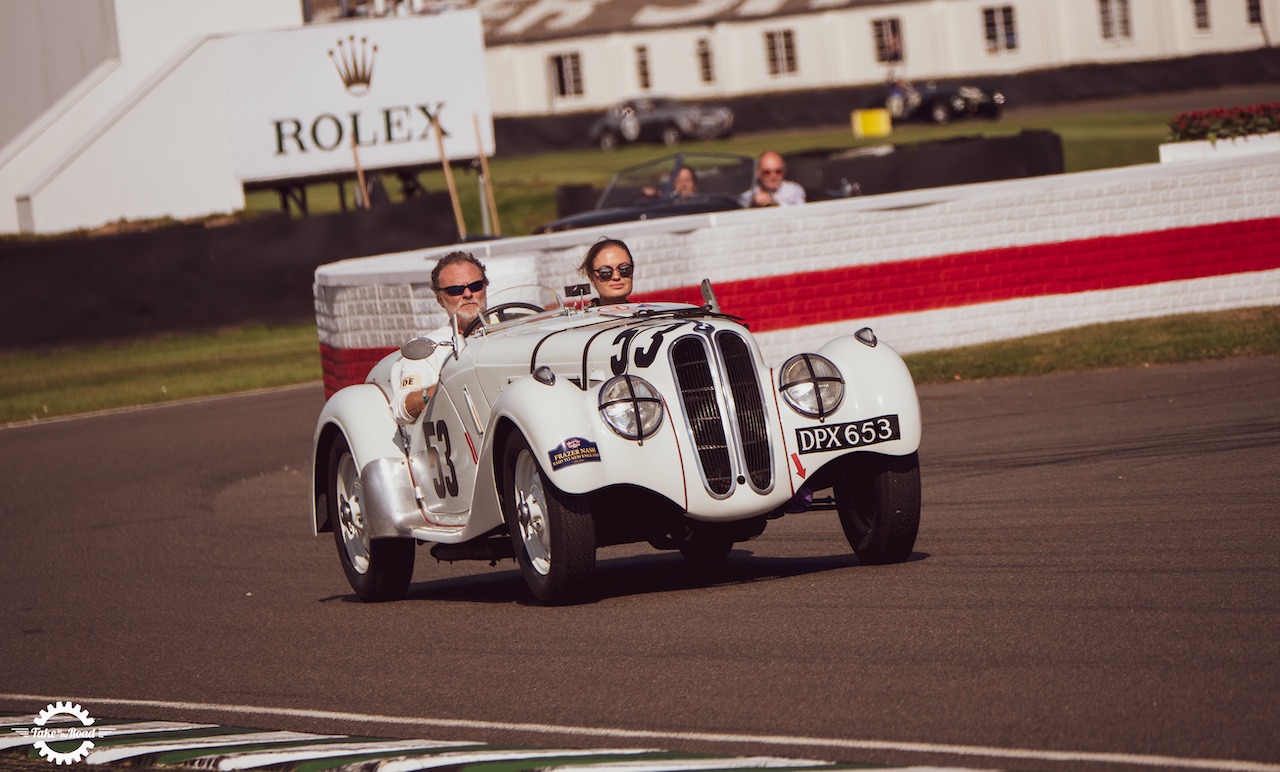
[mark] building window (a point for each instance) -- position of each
(566, 75)
(781, 49)
(642, 68)
(706, 67)
(888, 40)
(1201, 8)
(1002, 34)
(1116, 22)
(1255, 12)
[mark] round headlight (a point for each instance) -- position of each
(811, 385)
(630, 406)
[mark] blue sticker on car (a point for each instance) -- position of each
(575, 450)
(855, 434)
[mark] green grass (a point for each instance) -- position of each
(66, 382)
(525, 186)
(39, 386)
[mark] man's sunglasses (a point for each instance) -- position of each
(606, 273)
(454, 290)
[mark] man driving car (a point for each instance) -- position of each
(461, 285)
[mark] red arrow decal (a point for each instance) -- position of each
(799, 467)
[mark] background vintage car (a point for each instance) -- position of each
(942, 103)
(659, 119)
(646, 191)
(555, 432)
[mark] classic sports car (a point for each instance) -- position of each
(560, 428)
(942, 104)
(659, 119)
(647, 191)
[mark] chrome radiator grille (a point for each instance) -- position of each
(724, 410)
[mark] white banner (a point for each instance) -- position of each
(306, 101)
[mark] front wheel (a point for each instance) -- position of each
(553, 533)
(671, 136)
(377, 569)
(608, 141)
(878, 499)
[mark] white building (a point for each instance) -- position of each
(119, 108)
(555, 56)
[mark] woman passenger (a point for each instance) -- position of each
(608, 265)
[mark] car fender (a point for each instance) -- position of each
(877, 385)
(362, 414)
(575, 449)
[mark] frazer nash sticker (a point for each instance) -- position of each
(575, 450)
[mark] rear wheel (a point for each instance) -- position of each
(377, 569)
(553, 533)
(878, 499)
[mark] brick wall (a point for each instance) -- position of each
(926, 269)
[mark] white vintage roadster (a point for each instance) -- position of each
(557, 429)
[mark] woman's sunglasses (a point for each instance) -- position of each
(606, 273)
(455, 290)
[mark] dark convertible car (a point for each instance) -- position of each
(683, 183)
(942, 104)
(659, 119)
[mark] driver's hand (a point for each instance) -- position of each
(414, 403)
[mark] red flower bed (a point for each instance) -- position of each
(1225, 122)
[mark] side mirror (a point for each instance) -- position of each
(709, 297)
(419, 348)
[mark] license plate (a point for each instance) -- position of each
(855, 434)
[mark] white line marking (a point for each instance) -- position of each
(263, 758)
(116, 753)
(114, 729)
(1132, 759)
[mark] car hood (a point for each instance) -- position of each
(589, 346)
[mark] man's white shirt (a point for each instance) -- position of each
(410, 375)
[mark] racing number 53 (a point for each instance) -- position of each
(446, 481)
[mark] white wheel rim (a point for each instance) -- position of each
(531, 513)
(351, 523)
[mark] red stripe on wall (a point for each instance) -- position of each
(1111, 262)
(856, 292)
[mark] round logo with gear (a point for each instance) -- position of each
(61, 734)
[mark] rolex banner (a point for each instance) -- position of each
(300, 99)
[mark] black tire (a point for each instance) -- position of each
(553, 533)
(377, 569)
(671, 135)
(608, 141)
(878, 500)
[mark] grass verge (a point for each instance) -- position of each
(39, 386)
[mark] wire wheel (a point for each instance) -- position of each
(553, 533)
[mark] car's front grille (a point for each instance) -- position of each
(748, 407)
(698, 379)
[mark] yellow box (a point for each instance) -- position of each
(871, 123)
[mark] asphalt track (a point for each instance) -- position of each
(1096, 586)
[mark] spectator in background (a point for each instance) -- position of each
(772, 188)
(608, 265)
(685, 183)
(460, 284)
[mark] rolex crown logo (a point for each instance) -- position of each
(354, 63)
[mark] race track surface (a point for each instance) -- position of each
(1096, 586)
